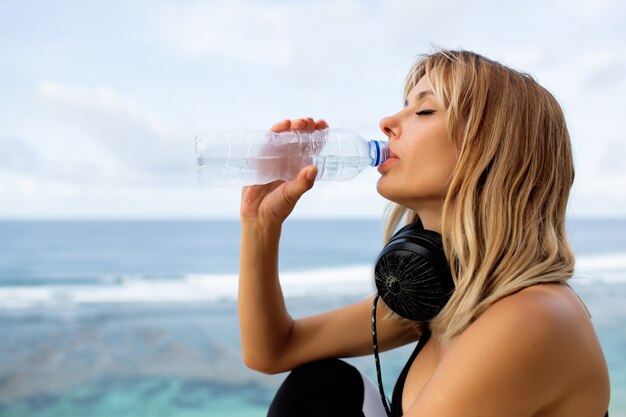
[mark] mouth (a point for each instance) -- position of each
(392, 154)
(391, 160)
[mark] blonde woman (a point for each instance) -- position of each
(480, 153)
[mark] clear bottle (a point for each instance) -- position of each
(248, 157)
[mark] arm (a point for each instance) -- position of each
(264, 322)
(271, 340)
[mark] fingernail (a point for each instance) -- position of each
(310, 175)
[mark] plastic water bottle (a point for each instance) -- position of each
(248, 157)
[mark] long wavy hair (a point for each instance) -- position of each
(503, 218)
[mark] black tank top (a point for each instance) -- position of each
(396, 399)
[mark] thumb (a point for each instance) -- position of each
(303, 183)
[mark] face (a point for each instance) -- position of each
(422, 155)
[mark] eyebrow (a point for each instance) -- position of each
(420, 96)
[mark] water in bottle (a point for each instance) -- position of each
(239, 158)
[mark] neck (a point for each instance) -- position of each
(430, 215)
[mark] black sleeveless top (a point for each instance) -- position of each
(396, 399)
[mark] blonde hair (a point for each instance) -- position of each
(503, 218)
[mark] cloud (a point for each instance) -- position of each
(17, 155)
(122, 126)
(247, 32)
(612, 160)
(115, 126)
(318, 39)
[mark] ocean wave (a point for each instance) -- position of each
(600, 268)
(349, 280)
(601, 262)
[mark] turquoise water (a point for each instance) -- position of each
(139, 318)
(156, 397)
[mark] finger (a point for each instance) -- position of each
(303, 182)
(303, 124)
(298, 124)
(281, 126)
(311, 173)
(321, 124)
(310, 124)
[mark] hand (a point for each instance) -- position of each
(272, 203)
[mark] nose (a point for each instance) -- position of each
(389, 126)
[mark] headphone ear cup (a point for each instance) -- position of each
(412, 275)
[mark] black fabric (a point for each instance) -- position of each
(396, 399)
(329, 387)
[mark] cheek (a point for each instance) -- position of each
(440, 153)
(423, 172)
(441, 165)
(428, 169)
(435, 156)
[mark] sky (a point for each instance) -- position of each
(100, 102)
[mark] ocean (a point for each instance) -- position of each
(139, 318)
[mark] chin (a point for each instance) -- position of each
(390, 193)
(381, 189)
(395, 192)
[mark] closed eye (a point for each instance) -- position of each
(424, 112)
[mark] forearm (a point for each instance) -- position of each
(264, 321)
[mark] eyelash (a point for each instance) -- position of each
(424, 112)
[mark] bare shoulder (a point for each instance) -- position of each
(548, 329)
(550, 311)
(532, 349)
(540, 324)
(548, 321)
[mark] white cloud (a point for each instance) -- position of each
(113, 133)
(598, 12)
(17, 155)
(315, 43)
(25, 196)
(121, 125)
(248, 32)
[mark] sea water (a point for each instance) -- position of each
(139, 318)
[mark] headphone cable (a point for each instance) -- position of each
(377, 360)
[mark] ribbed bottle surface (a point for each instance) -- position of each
(238, 158)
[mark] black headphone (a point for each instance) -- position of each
(413, 278)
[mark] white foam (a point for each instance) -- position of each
(605, 268)
(601, 262)
(353, 280)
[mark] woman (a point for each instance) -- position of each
(481, 154)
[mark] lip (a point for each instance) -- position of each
(388, 162)
(391, 159)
